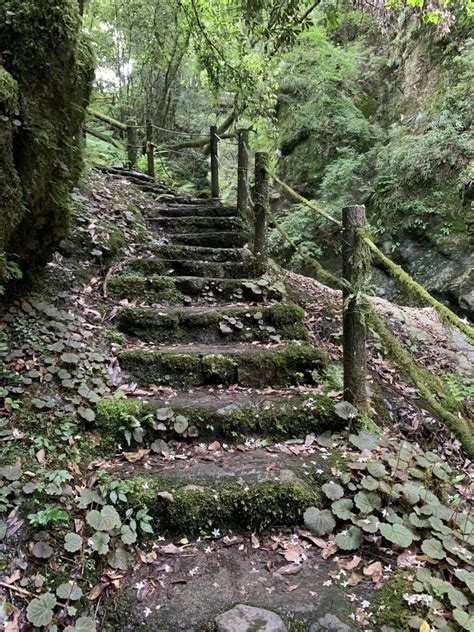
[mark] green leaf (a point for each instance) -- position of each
(332, 490)
(377, 469)
(10, 472)
(364, 440)
(40, 610)
(366, 502)
(370, 483)
(350, 539)
(342, 508)
(181, 424)
(396, 533)
(467, 577)
(72, 542)
(119, 558)
(433, 548)
(69, 591)
(70, 358)
(86, 413)
(319, 521)
(42, 550)
(83, 624)
(345, 410)
(369, 524)
(464, 620)
(100, 542)
(410, 492)
(127, 535)
(104, 520)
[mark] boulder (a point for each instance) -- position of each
(249, 619)
(329, 623)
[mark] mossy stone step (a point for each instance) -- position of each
(229, 415)
(248, 365)
(173, 290)
(248, 490)
(218, 239)
(182, 267)
(211, 224)
(214, 324)
(191, 210)
(197, 253)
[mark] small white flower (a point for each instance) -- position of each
(140, 585)
(146, 485)
(194, 570)
(328, 582)
(352, 597)
(208, 549)
(216, 533)
(319, 471)
(365, 604)
(147, 612)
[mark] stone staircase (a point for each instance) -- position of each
(226, 371)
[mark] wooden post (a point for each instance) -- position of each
(132, 143)
(242, 173)
(150, 149)
(261, 204)
(355, 270)
(214, 163)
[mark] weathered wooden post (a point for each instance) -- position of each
(242, 172)
(356, 271)
(132, 143)
(261, 204)
(214, 163)
(150, 149)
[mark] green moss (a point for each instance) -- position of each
(292, 417)
(389, 607)
(199, 508)
(182, 325)
(48, 58)
(283, 367)
(154, 289)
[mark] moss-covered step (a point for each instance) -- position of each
(227, 415)
(162, 289)
(220, 239)
(198, 224)
(201, 254)
(182, 267)
(250, 490)
(185, 366)
(214, 324)
(191, 210)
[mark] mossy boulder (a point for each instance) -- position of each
(44, 89)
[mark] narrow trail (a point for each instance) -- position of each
(227, 363)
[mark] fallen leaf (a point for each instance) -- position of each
(349, 565)
(288, 569)
(214, 446)
(96, 591)
(374, 571)
(133, 457)
(166, 496)
(354, 579)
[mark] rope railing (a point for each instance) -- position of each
(397, 271)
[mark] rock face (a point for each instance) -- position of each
(44, 88)
(249, 619)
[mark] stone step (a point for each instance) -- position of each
(224, 571)
(214, 324)
(249, 490)
(183, 267)
(201, 254)
(217, 413)
(192, 210)
(173, 290)
(225, 239)
(173, 225)
(184, 366)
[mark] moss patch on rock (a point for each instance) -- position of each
(281, 418)
(153, 289)
(212, 325)
(282, 366)
(200, 507)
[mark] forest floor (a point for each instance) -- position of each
(142, 490)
